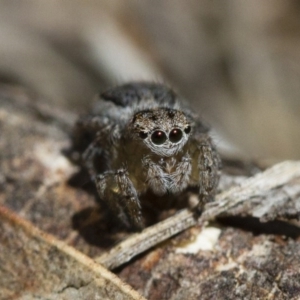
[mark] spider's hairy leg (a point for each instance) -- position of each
(181, 177)
(155, 177)
(88, 156)
(118, 191)
(99, 128)
(209, 171)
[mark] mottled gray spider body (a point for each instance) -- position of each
(149, 141)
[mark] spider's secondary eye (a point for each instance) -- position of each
(158, 137)
(187, 130)
(175, 135)
(143, 135)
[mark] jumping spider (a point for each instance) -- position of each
(149, 140)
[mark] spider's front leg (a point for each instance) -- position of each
(118, 191)
(155, 177)
(209, 165)
(98, 128)
(89, 154)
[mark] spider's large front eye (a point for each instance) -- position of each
(175, 135)
(158, 137)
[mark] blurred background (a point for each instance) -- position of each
(236, 62)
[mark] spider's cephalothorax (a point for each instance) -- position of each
(149, 140)
(163, 130)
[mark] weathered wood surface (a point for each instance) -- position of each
(35, 265)
(251, 249)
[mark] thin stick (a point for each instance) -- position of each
(149, 237)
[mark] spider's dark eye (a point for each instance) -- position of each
(158, 137)
(143, 135)
(175, 135)
(187, 130)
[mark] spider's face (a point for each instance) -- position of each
(163, 130)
